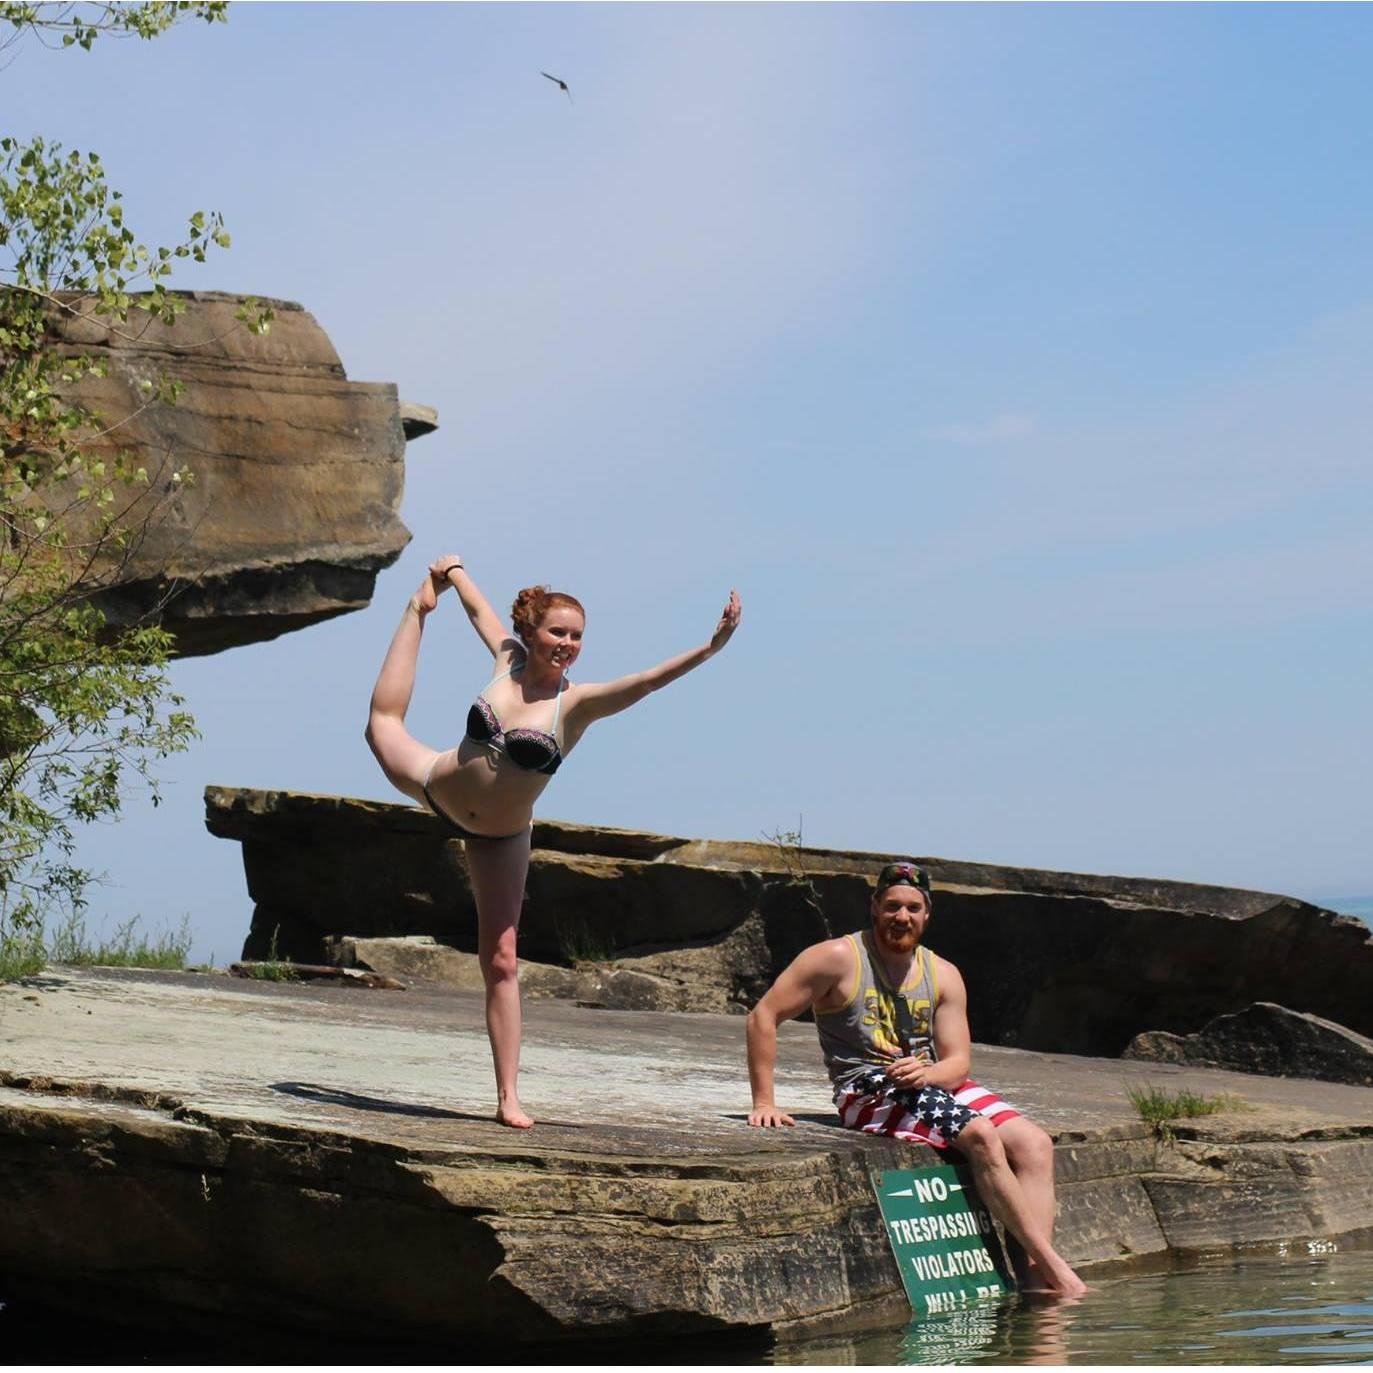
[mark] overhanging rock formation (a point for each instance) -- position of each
(298, 471)
(1065, 962)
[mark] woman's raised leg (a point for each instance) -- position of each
(403, 759)
(497, 869)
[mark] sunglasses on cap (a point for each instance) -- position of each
(903, 875)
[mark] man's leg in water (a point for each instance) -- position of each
(931, 1115)
(1030, 1152)
(1006, 1200)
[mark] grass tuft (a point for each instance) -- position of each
(128, 949)
(579, 943)
(28, 951)
(1158, 1109)
(272, 968)
(21, 954)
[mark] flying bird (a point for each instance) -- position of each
(560, 84)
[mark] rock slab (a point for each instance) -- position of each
(1268, 1039)
(324, 1158)
(1065, 962)
(298, 470)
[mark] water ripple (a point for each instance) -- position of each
(1247, 1310)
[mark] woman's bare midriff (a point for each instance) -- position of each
(484, 791)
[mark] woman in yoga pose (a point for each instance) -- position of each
(525, 722)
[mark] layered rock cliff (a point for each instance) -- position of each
(298, 470)
(324, 1159)
(1066, 962)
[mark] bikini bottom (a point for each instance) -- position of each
(453, 825)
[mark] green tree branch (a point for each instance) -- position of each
(85, 708)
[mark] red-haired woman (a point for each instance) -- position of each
(526, 720)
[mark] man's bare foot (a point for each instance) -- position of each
(1058, 1281)
(511, 1113)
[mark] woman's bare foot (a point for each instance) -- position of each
(511, 1113)
(426, 598)
(439, 570)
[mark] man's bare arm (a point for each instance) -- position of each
(812, 976)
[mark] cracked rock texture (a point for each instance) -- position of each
(1068, 962)
(325, 1158)
(298, 471)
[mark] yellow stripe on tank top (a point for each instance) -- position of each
(857, 979)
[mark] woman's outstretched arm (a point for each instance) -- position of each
(449, 570)
(598, 699)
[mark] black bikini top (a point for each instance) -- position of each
(530, 749)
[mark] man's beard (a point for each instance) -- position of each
(902, 942)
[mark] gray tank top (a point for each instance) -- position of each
(878, 1023)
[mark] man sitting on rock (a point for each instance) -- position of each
(893, 1023)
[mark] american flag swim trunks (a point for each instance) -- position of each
(922, 1115)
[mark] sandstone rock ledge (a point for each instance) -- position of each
(298, 470)
(323, 1157)
(1066, 962)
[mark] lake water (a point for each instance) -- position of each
(1298, 1308)
(1310, 1306)
(1362, 906)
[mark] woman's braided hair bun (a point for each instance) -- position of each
(532, 604)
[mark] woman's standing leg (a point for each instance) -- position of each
(403, 759)
(497, 869)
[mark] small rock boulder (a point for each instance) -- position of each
(673, 980)
(1268, 1039)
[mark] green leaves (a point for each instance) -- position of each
(79, 25)
(85, 707)
(65, 232)
(76, 717)
(256, 316)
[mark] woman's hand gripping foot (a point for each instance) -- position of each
(435, 584)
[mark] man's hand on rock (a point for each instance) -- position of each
(768, 1116)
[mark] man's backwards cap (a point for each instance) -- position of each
(902, 875)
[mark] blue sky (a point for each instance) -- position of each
(1012, 362)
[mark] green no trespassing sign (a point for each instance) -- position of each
(945, 1244)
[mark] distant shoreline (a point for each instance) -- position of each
(1361, 907)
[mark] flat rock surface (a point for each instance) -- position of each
(414, 1067)
(323, 1157)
